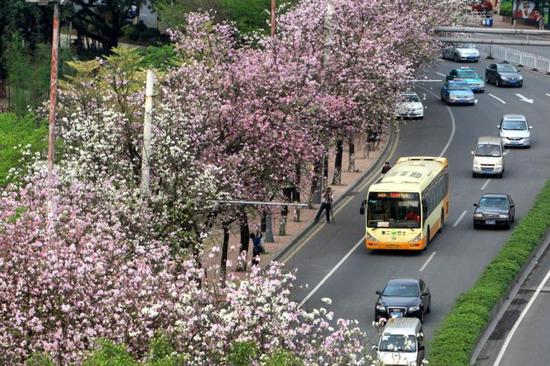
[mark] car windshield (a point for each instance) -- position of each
(393, 210)
(466, 45)
(457, 86)
(516, 125)
(506, 68)
(467, 74)
(500, 203)
(409, 98)
(487, 150)
(401, 290)
(397, 343)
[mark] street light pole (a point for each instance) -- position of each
(53, 91)
(273, 22)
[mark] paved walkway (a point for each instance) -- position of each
(295, 228)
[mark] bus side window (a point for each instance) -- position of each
(424, 209)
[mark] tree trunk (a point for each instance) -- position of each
(296, 193)
(315, 194)
(225, 249)
(337, 177)
(245, 240)
(351, 161)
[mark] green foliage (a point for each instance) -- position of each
(506, 8)
(39, 359)
(139, 32)
(242, 354)
(159, 57)
(162, 353)
(459, 331)
(282, 358)
(110, 354)
(19, 131)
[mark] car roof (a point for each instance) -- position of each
(465, 68)
(514, 117)
(403, 281)
(407, 326)
(494, 195)
(493, 140)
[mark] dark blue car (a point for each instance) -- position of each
(455, 92)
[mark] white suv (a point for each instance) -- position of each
(515, 131)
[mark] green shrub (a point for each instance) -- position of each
(15, 131)
(39, 359)
(458, 332)
(242, 354)
(162, 353)
(506, 8)
(282, 358)
(110, 354)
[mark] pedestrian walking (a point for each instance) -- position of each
(540, 21)
(257, 248)
(386, 167)
(326, 205)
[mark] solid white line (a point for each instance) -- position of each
(497, 98)
(427, 261)
(548, 94)
(331, 272)
(460, 218)
(518, 321)
(486, 184)
(440, 74)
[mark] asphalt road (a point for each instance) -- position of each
(523, 339)
(333, 262)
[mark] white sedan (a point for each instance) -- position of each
(461, 52)
(409, 106)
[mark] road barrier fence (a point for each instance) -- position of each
(517, 57)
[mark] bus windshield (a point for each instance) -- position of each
(393, 210)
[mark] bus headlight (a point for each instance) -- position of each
(416, 238)
(371, 238)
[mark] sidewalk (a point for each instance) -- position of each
(296, 229)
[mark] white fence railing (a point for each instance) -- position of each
(517, 57)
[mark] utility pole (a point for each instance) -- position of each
(53, 91)
(273, 21)
(146, 155)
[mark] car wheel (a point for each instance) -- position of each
(520, 85)
(455, 58)
(429, 309)
(513, 218)
(474, 175)
(497, 83)
(421, 317)
(507, 226)
(501, 174)
(486, 79)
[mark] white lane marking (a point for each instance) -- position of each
(518, 321)
(422, 80)
(548, 94)
(486, 184)
(440, 74)
(427, 261)
(497, 98)
(460, 218)
(524, 99)
(331, 272)
(328, 275)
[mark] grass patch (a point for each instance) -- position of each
(456, 336)
(17, 133)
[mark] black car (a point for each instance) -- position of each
(503, 74)
(403, 298)
(494, 209)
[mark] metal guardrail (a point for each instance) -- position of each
(520, 58)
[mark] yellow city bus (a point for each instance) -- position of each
(408, 205)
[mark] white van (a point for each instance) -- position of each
(401, 342)
(488, 157)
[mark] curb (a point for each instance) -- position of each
(371, 171)
(500, 308)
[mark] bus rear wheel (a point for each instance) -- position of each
(428, 238)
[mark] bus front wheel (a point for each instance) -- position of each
(442, 223)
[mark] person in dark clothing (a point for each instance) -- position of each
(257, 248)
(386, 167)
(326, 206)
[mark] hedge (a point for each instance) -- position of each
(456, 336)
